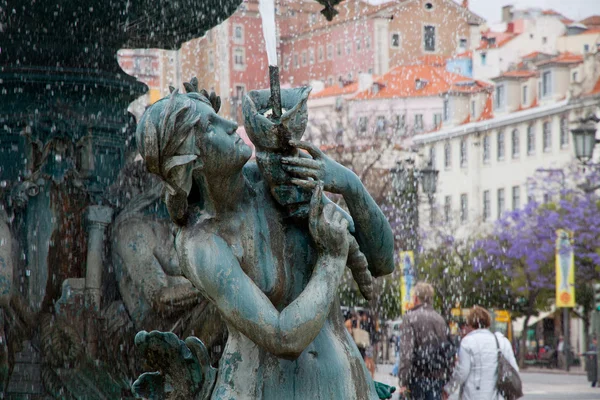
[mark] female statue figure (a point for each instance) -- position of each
(273, 280)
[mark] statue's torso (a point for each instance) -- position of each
(279, 257)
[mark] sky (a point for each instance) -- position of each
(491, 10)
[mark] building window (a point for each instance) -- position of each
(348, 48)
(296, 64)
(311, 55)
(586, 48)
(380, 125)
(330, 81)
(362, 124)
(304, 59)
(462, 43)
(429, 38)
(530, 140)
(447, 155)
(321, 55)
(399, 123)
(339, 49)
(446, 115)
(486, 205)
(463, 153)
(547, 138)
(329, 51)
(500, 202)
(447, 208)
(238, 34)
(524, 94)
(358, 42)
(515, 143)
(437, 120)
(516, 197)
(499, 96)
(418, 122)
(575, 76)
(483, 59)
(500, 145)
(238, 58)
(473, 108)
(547, 198)
(464, 208)
(544, 40)
(486, 149)
(367, 42)
(395, 42)
(432, 157)
(564, 133)
(312, 18)
(546, 83)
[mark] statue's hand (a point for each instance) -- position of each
(328, 227)
(318, 168)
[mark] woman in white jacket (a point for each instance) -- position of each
(476, 371)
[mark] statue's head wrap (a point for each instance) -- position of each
(166, 141)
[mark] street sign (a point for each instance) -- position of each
(565, 269)
(502, 316)
(407, 279)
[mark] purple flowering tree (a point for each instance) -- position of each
(522, 244)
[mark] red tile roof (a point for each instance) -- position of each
(563, 58)
(591, 21)
(592, 31)
(535, 54)
(518, 74)
(501, 40)
(401, 82)
(488, 109)
(596, 89)
(336, 90)
(466, 54)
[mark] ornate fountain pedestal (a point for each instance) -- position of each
(65, 134)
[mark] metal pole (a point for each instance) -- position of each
(567, 341)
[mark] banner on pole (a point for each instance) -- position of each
(407, 279)
(565, 269)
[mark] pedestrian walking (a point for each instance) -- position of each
(426, 354)
(477, 370)
(591, 362)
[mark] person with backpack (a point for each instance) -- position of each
(486, 363)
(426, 351)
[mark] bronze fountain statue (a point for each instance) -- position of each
(271, 270)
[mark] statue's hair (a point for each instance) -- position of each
(162, 130)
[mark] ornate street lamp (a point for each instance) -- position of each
(584, 138)
(429, 177)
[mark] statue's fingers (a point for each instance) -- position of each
(313, 150)
(316, 203)
(304, 183)
(302, 171)
(301, 162)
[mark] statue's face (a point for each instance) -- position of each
(223, 150)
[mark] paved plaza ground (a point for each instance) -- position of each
(538, 385)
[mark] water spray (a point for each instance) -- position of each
(267, 13)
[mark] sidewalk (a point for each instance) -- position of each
(540, 370)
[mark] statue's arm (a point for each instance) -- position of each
(371, 228)
(210, 265)
(135, 246)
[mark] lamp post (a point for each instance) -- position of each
(405, 183)
(584, 138)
